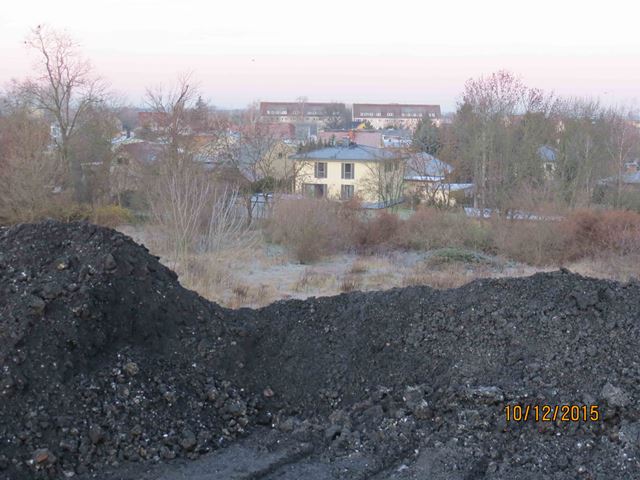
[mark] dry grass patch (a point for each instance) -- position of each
(206, 276)
(349, 283)
(359, 266)
(445, 275)
(251, 296)
(312, 279)
(622, 268)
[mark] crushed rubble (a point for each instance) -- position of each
(109, 365)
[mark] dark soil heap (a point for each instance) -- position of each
(107, 360)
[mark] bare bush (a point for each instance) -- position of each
(380, 230)
(591, 232)
(178, 196)
(226, 226)
(535, 242)
(430, 228)
(195, 213)
(309, 228)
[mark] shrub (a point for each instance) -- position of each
(111, 216)
(430, 228)
(67, 212)
(455, 255)
(583, 233)
(309, 228)
(535, 242)
(314, 228)
(380, 230)
(590, 232)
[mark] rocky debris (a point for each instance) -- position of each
(131, 368)
(98, 357)
(107, 362)
(43, 455)
(614, 396)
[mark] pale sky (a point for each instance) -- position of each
(359, 51)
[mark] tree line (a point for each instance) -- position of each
(519, 144)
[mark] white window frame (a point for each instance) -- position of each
(316, 170)
(352, 172)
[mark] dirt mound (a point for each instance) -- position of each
(419, 367)
(106, 360)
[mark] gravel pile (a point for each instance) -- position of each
(417, 375)
(106, 360)
(104, 357)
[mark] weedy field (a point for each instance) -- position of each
(255, 272)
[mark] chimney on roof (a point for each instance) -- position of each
(345, 142)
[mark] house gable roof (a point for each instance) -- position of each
(353, 152)
(431, 168)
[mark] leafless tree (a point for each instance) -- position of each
(29, 172)
(65, 88)
(177, 187)
(433, 175)
(337, 116)
(581, 150)
(385, 179)
(492, 101)
(171, 109)
(501, 124)
(622, 139)
(249, 156)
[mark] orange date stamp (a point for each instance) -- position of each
(552, 413)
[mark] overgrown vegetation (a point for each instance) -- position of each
(209, 185)
(312, 229)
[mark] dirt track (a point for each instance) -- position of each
(110, 369)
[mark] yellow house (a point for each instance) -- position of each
(374, 175)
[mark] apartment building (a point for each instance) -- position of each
(384, 115)
(301, 112)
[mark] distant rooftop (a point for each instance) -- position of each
(426, 167)
(631, 178)
(310, 109)
(547, 153)
(395, 110)
(353, 152)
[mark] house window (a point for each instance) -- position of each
(321, 170)
(347, 171)
(346, 192)
(314, 190)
